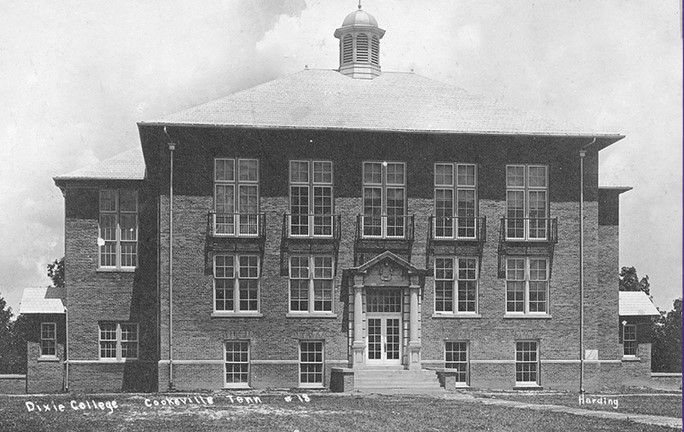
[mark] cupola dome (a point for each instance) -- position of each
(360, 45)
(359, 17)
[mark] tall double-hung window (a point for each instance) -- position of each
(629, 340)
(455, 201)
(311, 284)
(455, 285)
(384, 200)
(527, 285)
(236, 283)
(118, 239)
(48, 339)
(527, 202)
(236, 197)
(311, 199)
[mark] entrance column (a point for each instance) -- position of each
(414, 337)
(358, 345)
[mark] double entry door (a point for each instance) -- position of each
(384, 326)
(384, 339)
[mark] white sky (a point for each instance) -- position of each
(75, 77)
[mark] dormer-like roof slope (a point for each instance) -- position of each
(42, 301)
(636, 303)
(326, 99)
(128, 165)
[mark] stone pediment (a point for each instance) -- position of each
(387, 269)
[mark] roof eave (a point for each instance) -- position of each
(618, 189)
(607, 138)
(61, 181)
(45, 312)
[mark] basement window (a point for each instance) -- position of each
(311, 364)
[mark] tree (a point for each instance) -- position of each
(7, 342)
(629, 281)
(666, 350)
(12, 341)
(56, 273)
(5, 317)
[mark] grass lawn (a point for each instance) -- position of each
(664, 404)
(275, 412)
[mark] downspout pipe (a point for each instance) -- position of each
(66, 309)
(582, 154)
(66, 349)
(172, 147)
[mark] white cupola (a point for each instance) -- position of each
(360, 45)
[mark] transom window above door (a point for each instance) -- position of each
(383, 300)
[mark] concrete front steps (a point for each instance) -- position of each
(396, 381)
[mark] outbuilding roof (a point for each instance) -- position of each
(42, 301)
(636, 303)
(393, 101)
(128, 165)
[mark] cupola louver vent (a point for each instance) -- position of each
(362, 48)
(375, 50)
(347, 49)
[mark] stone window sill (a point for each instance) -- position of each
(631, 359)
(456, 315)
(237, 315)
(126, 360)
(528, 387)
(48, 359)
(526, 316)
(312, 386)
(116, 270)
(311, 315)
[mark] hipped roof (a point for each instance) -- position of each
(394, 101)
(42, 301)
(636, 303)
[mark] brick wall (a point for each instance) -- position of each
(112, 377)
(13, 384)
(274, 338)
(197, 336)
(492, 336)
(637, 370)
(608, 285)
(44, 375)
(94, 295)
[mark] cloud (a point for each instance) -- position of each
(80, 77)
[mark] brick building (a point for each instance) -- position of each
(347, 228)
